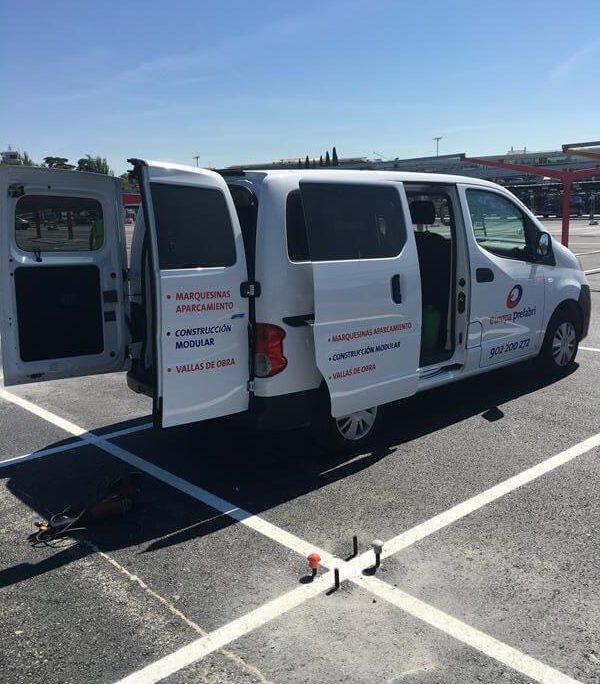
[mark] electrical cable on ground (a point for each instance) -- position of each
(117, 500)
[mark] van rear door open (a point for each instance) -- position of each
(200, 315)
(367, 291)
(62, 260)
(63, 297)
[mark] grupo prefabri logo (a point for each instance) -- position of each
(514, 297)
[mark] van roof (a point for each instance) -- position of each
(358, 175)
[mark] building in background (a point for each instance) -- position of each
(538, 193)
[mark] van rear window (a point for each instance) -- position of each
(193, 227)
(52, 223)
(348, 221)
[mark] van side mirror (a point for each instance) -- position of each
(543, 245)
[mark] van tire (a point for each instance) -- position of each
(335, 435)
(561, 342)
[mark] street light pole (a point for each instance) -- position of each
(437, 139)
(196, 158)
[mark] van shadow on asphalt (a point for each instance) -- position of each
(256, 471)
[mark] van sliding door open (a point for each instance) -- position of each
(62, 260)
(367, 293)
(200, 316)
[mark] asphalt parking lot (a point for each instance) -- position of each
(485, 494)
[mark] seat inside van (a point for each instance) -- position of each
(433, 226)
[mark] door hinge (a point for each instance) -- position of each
(16, 190)
(250, 289)
(250, 386)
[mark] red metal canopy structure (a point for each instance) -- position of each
(567, 178)
(131, 198)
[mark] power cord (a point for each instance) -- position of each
(118, 499)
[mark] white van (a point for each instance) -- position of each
(292, 297)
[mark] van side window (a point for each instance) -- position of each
(297, 242)
(500, 227)
(193, 227)
(58, 224)
(246, 207)
(352, 221)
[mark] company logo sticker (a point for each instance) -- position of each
(514, 297)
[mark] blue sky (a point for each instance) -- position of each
(242, 82)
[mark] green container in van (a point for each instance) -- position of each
(431, 328)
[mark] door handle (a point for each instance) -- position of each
(484, 275)
(396, 289)
(299, 321)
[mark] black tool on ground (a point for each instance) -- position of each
(117, 499)
(355, 546)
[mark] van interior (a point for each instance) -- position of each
(433, 222)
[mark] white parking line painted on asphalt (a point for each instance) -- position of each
(165, 667)
(41, 453)
(352, 570)
(65, 425)
(596, 251)
(187, 655)
(200, 648)
(265, 528)
(507, 655)
(494, 493)
(592, 271)
(594, 349)
(71, 445)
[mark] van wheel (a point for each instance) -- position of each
(348, 433)
(561, 343)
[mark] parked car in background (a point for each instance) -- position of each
(552, 205)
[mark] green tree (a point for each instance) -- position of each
(306, 162)
(327, 159)
(57, 163)
(321, 160)
(126, 182)
(94, 165)
(299, 163)
(334, 157)
(314, 162)
(26, 160)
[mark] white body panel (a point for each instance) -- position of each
(41, 318)
(287, 289)
(366, 344)
(202, 319)
(507, 313)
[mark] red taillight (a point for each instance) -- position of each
(268, 350)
